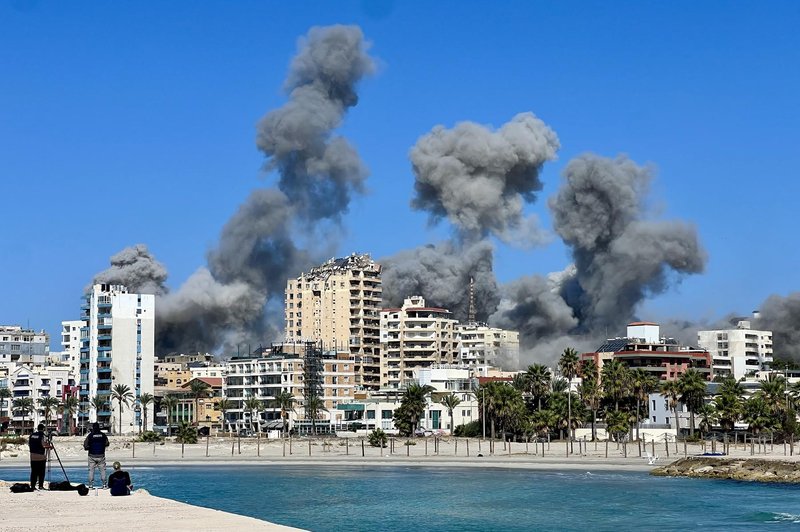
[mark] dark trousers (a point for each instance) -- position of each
(37, 473)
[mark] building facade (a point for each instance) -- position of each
(412, 337)
(643, 347)
(338, 304)
(738, 352)
(18, 344)
(117, 348)
(479, 345)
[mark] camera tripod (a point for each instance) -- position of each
(52, 447)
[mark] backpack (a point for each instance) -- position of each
(20, 487)
(67, 486)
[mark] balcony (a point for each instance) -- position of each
(104, 359)
(103, 348)
(103, 370)
(101, 337)
(103, 315)
(103, 381)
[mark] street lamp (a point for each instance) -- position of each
(483, 417)
(138, 410)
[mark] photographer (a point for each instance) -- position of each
(38, 446)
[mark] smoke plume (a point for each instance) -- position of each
(136, 268)
(620, 258)
(441, 274)
(781, 314)
(234, 298)
(480, 179)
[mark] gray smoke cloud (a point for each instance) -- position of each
(235, 299)
(441, 274)
(136, 268)
(620, 258)
(781, 315)
(318, 171)
(480, 180)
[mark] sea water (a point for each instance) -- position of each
(462, 499)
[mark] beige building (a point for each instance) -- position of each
(479, 344)
(338, 304)
(413, 337)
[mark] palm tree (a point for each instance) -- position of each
(615, 381)
(693, 392)
(123, 396)
(169, 402)
(5, 394)
(729, 409)
(508, 406)
(23, 406)
(450, 402)
(48, 404)
(774, 392)
(757, 414)
(414, 401)
(539, 378)
(568, 364)
(254, 406)
(708, 416)
(99, 403)
(486, 402)
(591, 392)
(69, 406)
(223, 405)
(284, 401)
(144, 401)
(314, 405)
(643, 384)
(198, 389)
(672, 391)
(617, 423)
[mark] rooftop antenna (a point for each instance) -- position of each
(471, 309)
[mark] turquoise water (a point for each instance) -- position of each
(453, 499)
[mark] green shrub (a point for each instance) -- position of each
(149, 436)
(473, 429)
(13, 440)
(410, 442)
(186, 433)
(378, 438)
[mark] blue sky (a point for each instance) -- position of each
(134, 122)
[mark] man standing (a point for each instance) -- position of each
(38, 445)
(96, 443)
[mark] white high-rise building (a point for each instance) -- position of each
(71, 345)
(738, 352)
(117, 348)
(479, 344)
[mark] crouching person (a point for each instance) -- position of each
(119, 481)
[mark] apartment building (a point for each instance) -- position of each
(117, 348)
(18, 344)
(338, 304)
(738, 352)
(332, 379)
(479, 345)
(644, 347)
(412, 337)
(71, 345)
(35, 382)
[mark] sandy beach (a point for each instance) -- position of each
(460, 452)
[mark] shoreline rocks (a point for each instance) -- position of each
(743, 469)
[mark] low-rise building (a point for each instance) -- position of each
(739, 351)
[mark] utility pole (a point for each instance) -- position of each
(483, 417)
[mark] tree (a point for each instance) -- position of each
(254, 406)
(590, 391)
(5, 395)
(198, 390)
(123, 396)
(378, 438)
(757, 414)
(692, 387)
(169, 403)
(708, 416)
(223, 405)
(187, 433)
(509, 407)
(450, 402)
(672, 391)
(568, 364)
(617, 423)
(48, 404)
(615, 381)
(23, 406)
(314, 405)
(539, 378)
(642, 384)
(285, 401)
(487, 393)
(145, 400)
(412, 408)
(729, 409)
(69, 406)
(99, 403)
